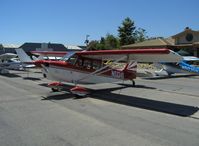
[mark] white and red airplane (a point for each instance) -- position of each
(104, 66)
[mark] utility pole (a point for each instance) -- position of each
(87, 41)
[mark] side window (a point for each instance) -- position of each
(87, 64)
(72, 59)
(79, 62)
(96, 65)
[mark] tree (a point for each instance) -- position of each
(111, 42)
(92, 45)
(126, 32)
(140, 35)
(106, 43)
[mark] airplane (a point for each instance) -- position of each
(102, 66)
(41, 55)
(167, 69)
(9, 61)
(26, 60)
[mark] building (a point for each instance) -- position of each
(185, 43)
(29, 46)
(73, 48)
(8, 48)
(48, 46)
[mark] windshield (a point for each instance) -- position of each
(68, 55)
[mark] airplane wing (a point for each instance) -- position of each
(140, 55)
(7, 56)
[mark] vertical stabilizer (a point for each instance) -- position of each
(23, 56)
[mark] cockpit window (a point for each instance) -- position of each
(72, 59)
(96, 64)
(87, 64)
(68, 56)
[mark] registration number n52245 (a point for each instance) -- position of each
(117, 74)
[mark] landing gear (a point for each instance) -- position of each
(55, 89)
(44, 75)
(133, 83)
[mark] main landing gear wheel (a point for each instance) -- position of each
(133, 83)
(44, 75)
(55, 89)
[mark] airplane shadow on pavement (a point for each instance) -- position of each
(60, 96)
(138, 102)
(169, 77)
(10, 75)
(31, 78)
(149, 104)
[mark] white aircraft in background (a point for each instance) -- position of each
(41, 55)
(103, 66)
(9, 61)
(185, 66)
(25, 59)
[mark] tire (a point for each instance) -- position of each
(44, 75)
(54, 89)
(133, 83)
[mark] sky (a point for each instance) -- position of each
(69, 21)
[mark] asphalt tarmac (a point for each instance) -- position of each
(157, 112)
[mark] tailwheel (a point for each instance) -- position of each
(133, 83)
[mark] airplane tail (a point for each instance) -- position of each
(23, 56)
(131, 67)
(130, 70)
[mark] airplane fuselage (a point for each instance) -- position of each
(75, 73)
